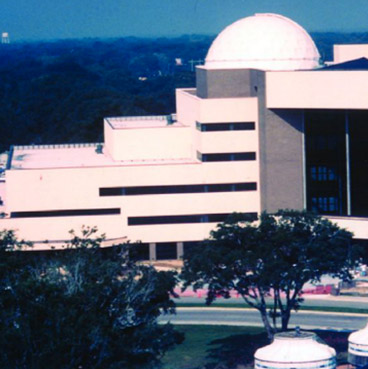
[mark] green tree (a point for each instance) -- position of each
(82, 307)
(271, 258)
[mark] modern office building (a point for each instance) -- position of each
(268, 126)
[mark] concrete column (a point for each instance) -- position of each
(180, 250)
(152, 251)
(281, 145)
(304, 163)
(347, 154)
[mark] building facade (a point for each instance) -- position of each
(267, 127)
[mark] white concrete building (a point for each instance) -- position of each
(267, 127)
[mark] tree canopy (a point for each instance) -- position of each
(60, 91)
(268, 261)
(82, 307)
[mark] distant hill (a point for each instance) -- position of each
(325, 41)
(60, 91)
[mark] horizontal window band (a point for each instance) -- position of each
(229, 156)
(177, 189)
(181, 219)
(236, 126)
(63, 213)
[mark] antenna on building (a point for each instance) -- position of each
(99, 149)
(5, 38)
(193, 63)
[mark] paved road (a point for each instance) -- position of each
(309, 300)
(248, 317)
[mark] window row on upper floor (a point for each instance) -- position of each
(64, 213)
(227, 156)
(213, 127)
(177, 189)
(182, 219)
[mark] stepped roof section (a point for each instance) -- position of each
(121, 135)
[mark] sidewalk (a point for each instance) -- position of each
(355, 302)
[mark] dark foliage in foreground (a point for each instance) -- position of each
(82, 309)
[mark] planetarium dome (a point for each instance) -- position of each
(263, 41)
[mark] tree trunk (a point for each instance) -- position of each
(274, 311)
(266, 323)
(285, 317)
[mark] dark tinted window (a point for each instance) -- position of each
(139, 251)
(325, 152)
(176, 189)
(236, 156)
(63, 213)
(213, 127)
(182, 219)
(166, 251)
(358, 132)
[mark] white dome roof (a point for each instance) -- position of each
(288, 350)
(360, 337)
(263, 41)
(358, 346)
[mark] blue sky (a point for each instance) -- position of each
(58, 19)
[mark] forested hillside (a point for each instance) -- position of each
(58, 92)
(325, 41)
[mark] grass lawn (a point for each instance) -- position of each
(202, 341)
(206, 344)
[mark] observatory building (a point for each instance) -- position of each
(358, 348)
(268, 126)
(295, 350)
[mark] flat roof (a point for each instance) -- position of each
(157, 121)
(350, 65)
(74, 156)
